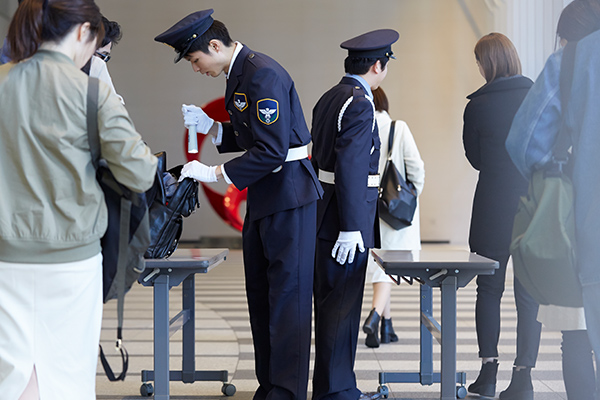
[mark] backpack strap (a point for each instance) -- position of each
(563, 140)
(92, 120)
(94, 141)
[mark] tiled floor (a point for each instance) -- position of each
(223, 341)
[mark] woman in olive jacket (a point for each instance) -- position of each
(487, 120)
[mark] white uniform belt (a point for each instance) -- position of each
(297, 153)
(329, 177)
(294, 154)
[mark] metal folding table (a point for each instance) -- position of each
(448, 270)
(164, 274)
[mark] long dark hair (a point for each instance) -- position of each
(38, 21)
(380, 100)
(578, 19)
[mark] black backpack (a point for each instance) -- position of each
(137, 222)
(171, 201)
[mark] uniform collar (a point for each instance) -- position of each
(238, 48)
(362, 82)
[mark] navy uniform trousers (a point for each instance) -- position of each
(279, 267)
(338, 303)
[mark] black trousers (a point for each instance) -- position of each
(338, 302)
(487, 315)
(279, 266)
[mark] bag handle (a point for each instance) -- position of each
(391, 138)
(391, 144)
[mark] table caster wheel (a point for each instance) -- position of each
(228, 389)
(146, 389)
(461, 392)
(384, 391)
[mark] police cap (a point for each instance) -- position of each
(374, 44)
(184, 33)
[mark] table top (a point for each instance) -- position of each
(433, 266)
(201, 260)
(432, 259)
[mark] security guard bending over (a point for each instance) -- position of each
(267, 123)
(346, 156)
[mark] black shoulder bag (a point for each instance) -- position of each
(397, 196)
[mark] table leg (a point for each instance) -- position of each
(426, 364)
(188, 367)
(448, 310)
(161, 338)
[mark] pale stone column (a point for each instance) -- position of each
(531, 25)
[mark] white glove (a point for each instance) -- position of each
(193, 115)
(198, 171)
(345, 246)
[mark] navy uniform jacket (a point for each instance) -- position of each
(266, 120)
(346, 142)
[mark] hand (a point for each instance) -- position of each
(345, 246)
(193, 115)
(199, 172)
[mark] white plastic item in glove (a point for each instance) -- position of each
(198, 171)
(193, 115)
(345, 246)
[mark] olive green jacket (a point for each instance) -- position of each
(51, 207)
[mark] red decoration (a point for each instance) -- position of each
(226, 206)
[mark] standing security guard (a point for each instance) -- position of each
(279, 231)
(346, 156)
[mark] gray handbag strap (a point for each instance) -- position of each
(125, 212)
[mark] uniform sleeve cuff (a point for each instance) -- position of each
(219, 139)
(225, 173)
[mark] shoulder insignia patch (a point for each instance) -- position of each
(239, 101)
(267, 111)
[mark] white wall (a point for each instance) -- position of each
(7, 9)
(427, 85)
(531, 24)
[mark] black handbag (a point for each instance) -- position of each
(397, 196)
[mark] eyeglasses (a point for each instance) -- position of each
(103, 57)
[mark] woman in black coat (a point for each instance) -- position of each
(487, 120)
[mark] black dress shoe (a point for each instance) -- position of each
(387, 331)
(371, 324)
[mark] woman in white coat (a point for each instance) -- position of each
(407, 159)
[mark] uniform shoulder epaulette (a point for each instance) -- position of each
(357, 92)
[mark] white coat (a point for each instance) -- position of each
(407, 159)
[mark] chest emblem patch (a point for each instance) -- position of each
(267, 111)
(239, 101)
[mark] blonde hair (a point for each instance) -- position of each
(497, 56)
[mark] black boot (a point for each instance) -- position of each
(387, 331)
(371, 324)
(371, 328)
(485, 384)
(372, 340)
(520, 387)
